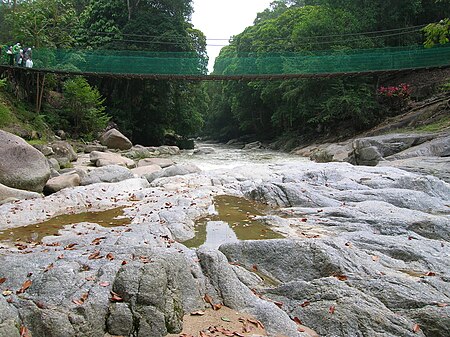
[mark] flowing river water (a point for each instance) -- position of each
(231, 219)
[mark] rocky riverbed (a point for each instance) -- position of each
(365, 252)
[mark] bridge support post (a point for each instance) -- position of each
(39, 91)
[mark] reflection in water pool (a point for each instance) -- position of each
(34, 233)
(234, 220)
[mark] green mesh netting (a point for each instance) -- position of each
(176, 63)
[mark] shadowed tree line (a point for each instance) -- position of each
(308, 107)
(145, 110)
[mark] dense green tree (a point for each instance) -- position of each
(307, 26)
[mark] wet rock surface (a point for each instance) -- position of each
(366, 254)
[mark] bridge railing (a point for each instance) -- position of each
(190, 64)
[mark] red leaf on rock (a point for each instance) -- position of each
(208, 299)
(95, 255)
(25, 286)
(297, 320)
(305, 304)
(2, 280)
(24, 332)
(332, 309)
(416, 328)
(278, 304)
(254, 267)
(198, 313)
(430, 273)
(341, 277)
(217, 307)
(124, 263)
(256, 322)
(50, 266)
(115, 297)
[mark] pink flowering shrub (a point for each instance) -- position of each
(394, 98)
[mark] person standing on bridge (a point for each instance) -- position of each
(10, 54)
(16, 52)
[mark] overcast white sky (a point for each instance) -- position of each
(221, 19)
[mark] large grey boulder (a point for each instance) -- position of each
(71, 179)
(439, 147)
(161, 162)
(100, 159)
(435, 166)
(21, 165)
(106, 174)
(370, 151)
(175, 170)
(114, 139)
(10, 194)
(145, 170)
(62, 149)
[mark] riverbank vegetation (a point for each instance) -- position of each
(148, 110)
(316, 107)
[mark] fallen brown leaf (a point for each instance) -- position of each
(341, 277)
(255, 322)
(2, 280)
(208, 299)
(332, 309)
(297, 320)
(24, 287)
(198, 313)
(115, 297)
(416, 328)
(50, 266)
(110, 257)
(217, 307)
(95, 255)
(70, 246)
(305, 304)
(442, 305)
(24, 332)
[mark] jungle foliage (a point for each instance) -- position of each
(270, 109)
(144, 109)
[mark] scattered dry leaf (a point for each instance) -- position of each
(430, 273)
(115, 297)
(50, 266)
(2, 280)
(95, 255)
(217, 306)
(305, 304)
(332, 309)
(110, 256)
(70, 246)
(208, 299)
(416, 328)
(255, 322)
(442, 305)
(25, 286)
(104, 284)
(24, 332)
(297, 320)
(341, 277)
(198, 313)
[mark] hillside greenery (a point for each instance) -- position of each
(147, 110)
(313, 107)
